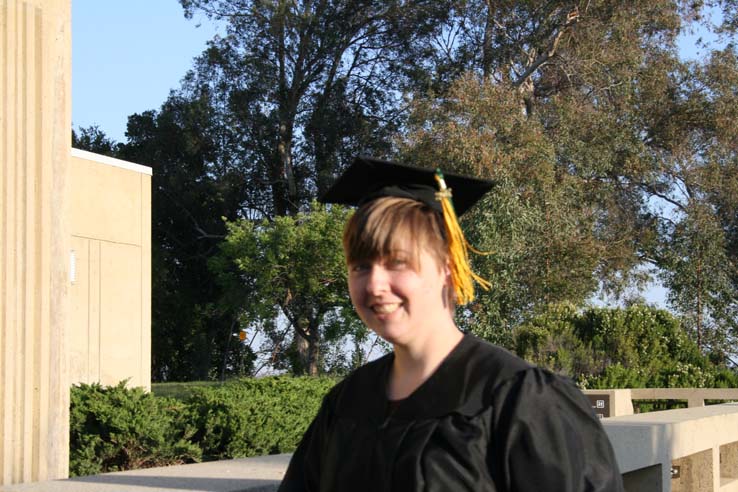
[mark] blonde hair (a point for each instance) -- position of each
(379, 228)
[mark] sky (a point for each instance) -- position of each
(128, 54)
(126, 57)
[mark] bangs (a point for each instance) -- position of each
(386, 226)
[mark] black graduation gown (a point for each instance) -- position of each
(484, 421)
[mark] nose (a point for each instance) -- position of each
(377, 280)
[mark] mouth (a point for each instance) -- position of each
(388, 308)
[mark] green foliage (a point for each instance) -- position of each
(252, 417)
(291, 267)
(550, 340)
(93, 139)
(636, 347)
(116, 428)
(180, 391)
(193, 188)
(609, 152)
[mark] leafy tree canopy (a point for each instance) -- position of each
(288, 280)
(637, 347)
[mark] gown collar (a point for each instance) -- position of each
(445, 391)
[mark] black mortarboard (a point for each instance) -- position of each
(368, 178)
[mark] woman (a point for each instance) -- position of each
(444, 411)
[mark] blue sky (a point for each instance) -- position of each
(126, 57)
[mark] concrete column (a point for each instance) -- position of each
(35, 127)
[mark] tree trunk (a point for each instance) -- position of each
(313, 354)
(302, 345)
(487, 41)
(699, 304)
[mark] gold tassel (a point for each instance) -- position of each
(462, 276)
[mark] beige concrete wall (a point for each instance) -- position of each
(35, 128)
(110, 330)
(699, 440)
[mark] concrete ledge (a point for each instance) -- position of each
(666, 438)
(260, 474)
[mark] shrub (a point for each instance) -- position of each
(252, 417)
(635, 347)
(115, 428)
(180, 391)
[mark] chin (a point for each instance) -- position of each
(394, 335)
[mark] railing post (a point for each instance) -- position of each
(695, 402)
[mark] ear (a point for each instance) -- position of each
(448, 284)
(447, 271)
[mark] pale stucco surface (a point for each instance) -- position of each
(110, 329)
(35, 129)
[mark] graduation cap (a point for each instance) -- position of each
(367, 179)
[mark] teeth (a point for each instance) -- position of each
(385, 308)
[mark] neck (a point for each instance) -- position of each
(414, 363)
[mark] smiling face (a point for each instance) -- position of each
(399, 298)
(398, 279)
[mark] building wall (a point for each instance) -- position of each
(110, 329)
(35, 128)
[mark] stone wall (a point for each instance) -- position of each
(35, 125)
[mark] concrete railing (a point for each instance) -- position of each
(695, 396)
(689, 449)
(616, 402)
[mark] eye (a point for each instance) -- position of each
(397, 263)
(359, 267)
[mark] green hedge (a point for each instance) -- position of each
(116, 428)
(253, 417)
(634, 347)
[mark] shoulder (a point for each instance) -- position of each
(484, 358)
(543, 418)
(535, 389)
(485, 367)
(494, 377)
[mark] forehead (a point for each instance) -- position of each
(390, 225)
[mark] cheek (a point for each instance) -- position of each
(354, 287)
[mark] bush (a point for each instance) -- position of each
(635, 347)
(180, 391)
(253, 417)
(115, 428)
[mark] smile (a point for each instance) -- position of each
(385, 308)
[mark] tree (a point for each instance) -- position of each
(307, 84)
(288, 280)
(192, 192)
(635, 347)
(697, 246)
(93, 139)
(608, 150)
